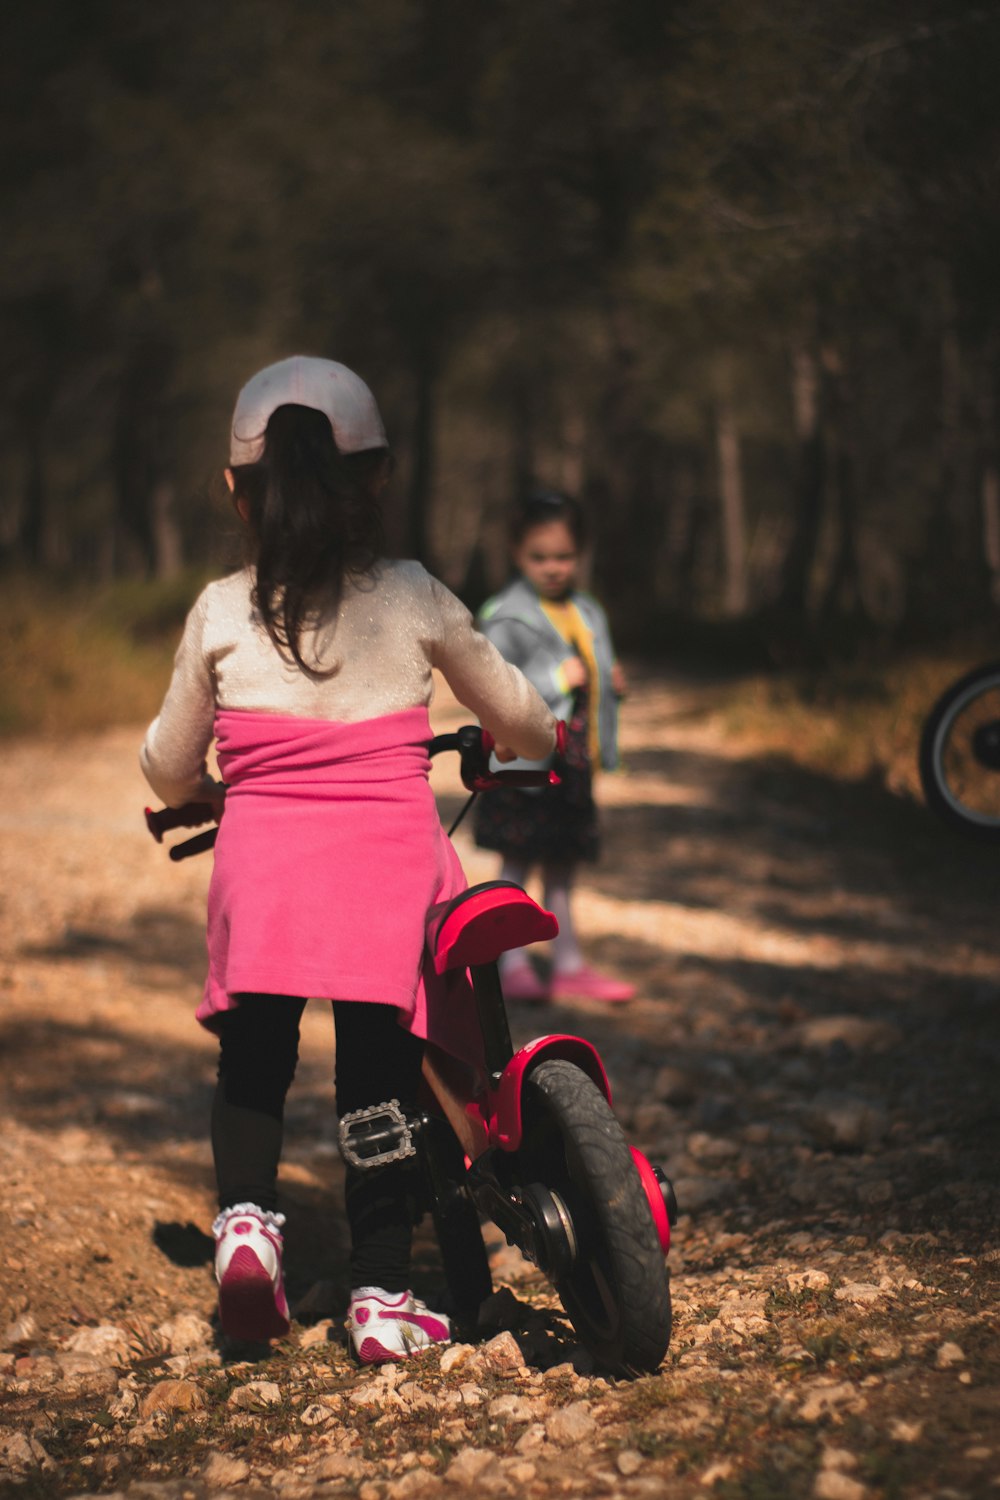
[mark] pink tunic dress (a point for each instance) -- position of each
(329, 855)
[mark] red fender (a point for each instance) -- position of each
(654, 1197)
(502, 1113)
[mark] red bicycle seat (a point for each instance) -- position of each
(483, 922)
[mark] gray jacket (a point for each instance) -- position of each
(521, 631)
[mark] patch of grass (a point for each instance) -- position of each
(810, 1300)
(651, 1442)
(786, 1469)
(74, 660)
(852, 723)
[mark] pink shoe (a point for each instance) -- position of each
(252, 1302)
(386, 1326)
(587, 984)
(523, 983)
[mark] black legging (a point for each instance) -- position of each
(377, 1060)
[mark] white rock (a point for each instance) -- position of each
(197, 1359)
(520, 1470)
(255, 1394)
(810, 1279)
(318, 1333)
(948, 1355)
(906, 1432)
(375, 1393)
(171, 1396)
(838, 1458)
(571, 1424)
(124, 1404)
(186, 1331)
(455, 1354)
(859, 1293)
(469, 1465)
(413, 1395)
(721, 1469)
(823, 1400)
(416, 1482)
(21, 1331)
(315, 1415)
(501, 1355)
(832, 1484)
(221, 1471)
(511, 1408)
(106, 1342)
(20, 1453)
(340, 1466)
(531, 1439)
(629, 1461)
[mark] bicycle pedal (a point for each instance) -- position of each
(375, 1136)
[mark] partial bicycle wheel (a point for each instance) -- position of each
(960, 754)
(616, 1289)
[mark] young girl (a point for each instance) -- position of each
(311, 669)
(559, 638)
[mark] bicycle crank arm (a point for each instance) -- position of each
(532, 1218)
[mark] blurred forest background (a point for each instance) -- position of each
(729, 270)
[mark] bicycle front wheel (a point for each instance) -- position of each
(616, 1291)
(960, 754)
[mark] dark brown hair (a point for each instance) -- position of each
(538, 508)
(313, 521)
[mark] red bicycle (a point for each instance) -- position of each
(531, 1141)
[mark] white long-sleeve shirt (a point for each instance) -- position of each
(388, 633)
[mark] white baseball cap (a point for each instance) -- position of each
(303, 380)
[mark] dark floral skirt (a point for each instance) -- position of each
(553, 825)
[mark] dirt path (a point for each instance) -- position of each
(813, 1055)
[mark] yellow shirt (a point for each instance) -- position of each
(573, 628)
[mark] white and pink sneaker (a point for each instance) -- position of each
(386, 1326)
(252, 1302)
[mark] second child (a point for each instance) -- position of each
(558, 635)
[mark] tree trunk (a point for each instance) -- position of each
(810, 484)
(622, 557)
(38, 542)
(140, 446)
(843, 594)
(734, 532)
(938, 590)
(989, 469)
(167, 549)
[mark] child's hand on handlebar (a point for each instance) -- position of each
(574, 672)
(504, 753)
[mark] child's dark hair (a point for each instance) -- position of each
(538, 507)
(313, 520)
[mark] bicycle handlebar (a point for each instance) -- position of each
(474, 746)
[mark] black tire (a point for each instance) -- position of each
(464, 1260)
(960, 754)
(617, 1291)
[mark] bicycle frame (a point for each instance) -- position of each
(486, 1114)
